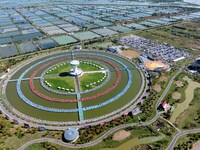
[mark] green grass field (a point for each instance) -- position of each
(55, 79)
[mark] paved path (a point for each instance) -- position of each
(172, 125)
(99, 71)
(24, 79)
(78, 96)
(111, 131)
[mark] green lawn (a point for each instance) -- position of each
(61, 69)
(63, 82)
(87, 79)
(67, 82)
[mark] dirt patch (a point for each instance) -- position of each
(176, 95)
(157, 88)
(163, 79)
(121, 135)
(130, 54)
(179, 84)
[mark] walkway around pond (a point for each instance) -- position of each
(189, 94)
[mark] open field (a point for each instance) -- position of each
(189, 118)
(87, 79)
(63, 82)
(189, 94)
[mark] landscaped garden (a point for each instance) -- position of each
(58, 77)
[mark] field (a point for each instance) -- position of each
(189, 94)
(189, 118)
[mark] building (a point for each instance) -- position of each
(115, 49)
(166, 106)
(135, 111)
(195, 67)
(71, 135)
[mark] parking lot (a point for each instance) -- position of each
(162, 52)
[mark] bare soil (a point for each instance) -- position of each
(121, 135)
(176, 95)
(157, 88)
(163, 79)
(179, 84)
(130, 54)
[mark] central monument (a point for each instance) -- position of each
(75, 71)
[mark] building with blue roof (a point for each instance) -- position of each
(71, 135)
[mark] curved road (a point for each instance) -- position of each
(118, 128)
(176, 137)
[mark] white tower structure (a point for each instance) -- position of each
(75, 71)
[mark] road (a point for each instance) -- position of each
(111, 131)
(177, 136)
